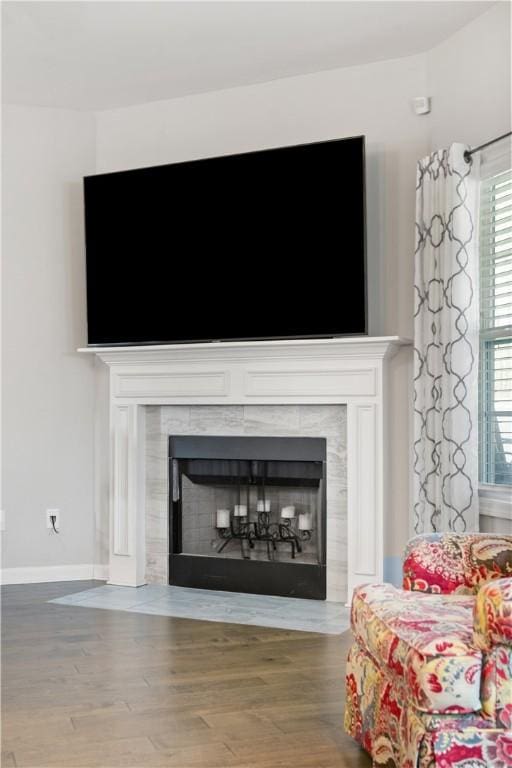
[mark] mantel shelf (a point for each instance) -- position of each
(357, 346)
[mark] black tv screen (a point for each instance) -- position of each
(261, 245)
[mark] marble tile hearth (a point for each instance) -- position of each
(287, 613)
(328, 421)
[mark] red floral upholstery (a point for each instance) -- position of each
(424, 638)
(446, 563)
(429, 676)
(493, 614)
(487, 558)
(493, 635)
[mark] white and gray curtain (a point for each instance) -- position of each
(445, 458)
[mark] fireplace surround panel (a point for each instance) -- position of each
(322, 425)
(351, 373)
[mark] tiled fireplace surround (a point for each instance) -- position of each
(332, 388)
(327, 421)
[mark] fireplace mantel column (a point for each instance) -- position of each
(127, 496)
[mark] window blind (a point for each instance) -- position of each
(496, 329)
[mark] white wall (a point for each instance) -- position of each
(495, 525)
(373, 100)
(469, 81)
(48, 390)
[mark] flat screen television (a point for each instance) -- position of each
(260, 245)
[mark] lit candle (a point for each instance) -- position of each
(240, 510)
(263, 505)
(305, 522)
(288, 512)
(223, 518)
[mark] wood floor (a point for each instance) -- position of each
(88, 687)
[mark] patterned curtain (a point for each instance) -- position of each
(445, 460)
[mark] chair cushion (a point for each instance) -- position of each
(450, 562)
(487, 557)
(435, 563)
(425, 638)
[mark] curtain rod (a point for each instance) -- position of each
(469, 152)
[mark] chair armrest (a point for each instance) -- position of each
(433, 562)
(493, 614)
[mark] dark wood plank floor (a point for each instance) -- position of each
(87, 687)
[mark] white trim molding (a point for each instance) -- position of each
(348, 371)
(47, 573)
(496, 501)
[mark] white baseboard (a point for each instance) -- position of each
(39, 574)
(495, 501)
(100, 572)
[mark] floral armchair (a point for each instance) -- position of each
(429, 675)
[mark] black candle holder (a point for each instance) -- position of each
(247, 531)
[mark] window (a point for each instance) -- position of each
(496, 329)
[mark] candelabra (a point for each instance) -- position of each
(289, 530)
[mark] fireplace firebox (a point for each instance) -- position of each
(248, 514)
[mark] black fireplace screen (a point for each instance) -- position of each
(241, 504)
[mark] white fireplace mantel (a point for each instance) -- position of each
(349, 371)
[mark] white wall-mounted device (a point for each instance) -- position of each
(421, 105)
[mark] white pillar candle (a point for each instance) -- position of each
(305, 522)
(263, 505)
(240, 510)
(288, 512)
(223, 518)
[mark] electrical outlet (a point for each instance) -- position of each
(53, 513)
